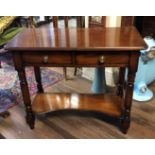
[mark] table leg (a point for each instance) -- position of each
(5, 114)
(121, 81)
(30, 117)
(125, 118)
(38, 79)
(126, 107)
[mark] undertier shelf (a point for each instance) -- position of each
(107, 104)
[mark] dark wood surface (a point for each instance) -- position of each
(107, 104)
(79, 24)
(116, 47)
(99, 39)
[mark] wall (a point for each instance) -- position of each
(113, 21)
(111, 73)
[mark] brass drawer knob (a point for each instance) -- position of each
(45, 59)
(101, 59)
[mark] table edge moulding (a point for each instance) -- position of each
(78, 47)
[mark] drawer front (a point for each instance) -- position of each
(47, 58)
(102, 59)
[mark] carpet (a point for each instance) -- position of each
(49, 78)
(12, 97)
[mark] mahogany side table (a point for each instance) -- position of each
(78, 47)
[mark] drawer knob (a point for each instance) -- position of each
(45, 59)
(101, 59)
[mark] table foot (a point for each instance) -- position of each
(30, 119)
(5, 114)
(124, 125)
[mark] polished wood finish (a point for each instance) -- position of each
(79, 24)
(116, 47)
(126, 108)
(46, 58)
(81, 39)
(96, 59)
(19, 66)
(107, 104)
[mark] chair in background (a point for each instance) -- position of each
(55, 20)
(79, 24)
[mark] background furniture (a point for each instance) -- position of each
(79, 24)
(57, 22)
(97, 21)
(144, 24)
(89, 48)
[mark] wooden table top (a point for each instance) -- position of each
(79, 39)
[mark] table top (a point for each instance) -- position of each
(78, 39)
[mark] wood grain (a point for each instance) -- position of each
(85, 39)
(107, 104)
(117, 47)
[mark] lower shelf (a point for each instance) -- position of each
(108, 104)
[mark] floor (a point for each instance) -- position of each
(75, 126)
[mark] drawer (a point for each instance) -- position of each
(47, 58)
(99, 59)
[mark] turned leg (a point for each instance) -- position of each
(121, 80)
(38, 79)
(126, 107)
(30, 117)
(125, 117)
